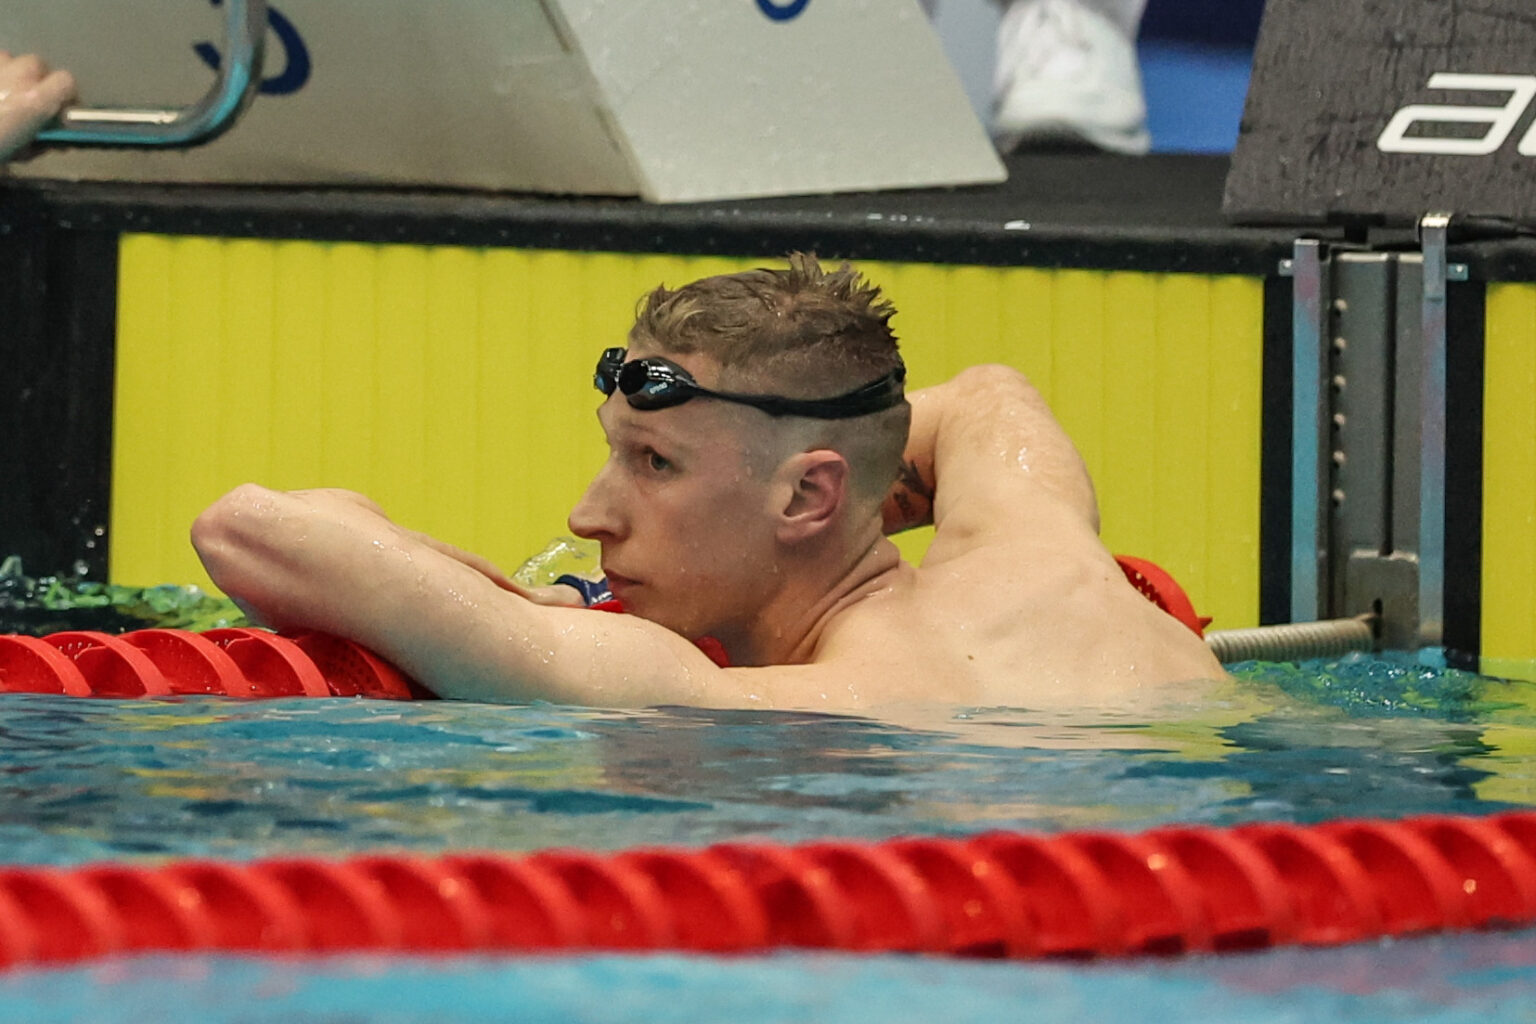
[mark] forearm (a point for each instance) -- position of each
(479, 563)
(910, 502)
(986, 428)
(324, 560)
(283, 556)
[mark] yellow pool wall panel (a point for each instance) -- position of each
(453, 385)
(1509, 483)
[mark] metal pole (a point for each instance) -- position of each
(1306, 430)
(1433, 236)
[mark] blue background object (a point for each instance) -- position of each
(1195, 59)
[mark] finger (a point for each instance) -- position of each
(22, 72)
(23, 112)
(57, 90)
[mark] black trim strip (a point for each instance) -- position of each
(1275, 456)
(1160, 213)
(58, 312)
(1465, 332)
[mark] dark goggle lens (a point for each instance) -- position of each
(653, 384)
(646, 383)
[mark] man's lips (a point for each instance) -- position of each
(618, 582)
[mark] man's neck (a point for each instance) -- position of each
(790, 627)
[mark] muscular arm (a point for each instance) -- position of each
(553, 595)
(330, 560)
(983, 448)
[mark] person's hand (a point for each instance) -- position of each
(31, 95)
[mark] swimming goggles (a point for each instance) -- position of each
(656, 383)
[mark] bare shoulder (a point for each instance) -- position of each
(1017, 624)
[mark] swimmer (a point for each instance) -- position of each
(761, 450)
(31, 95)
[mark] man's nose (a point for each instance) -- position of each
(596, 514)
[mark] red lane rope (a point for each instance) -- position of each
(1156, 585)
(1171, 890)
(249, 663)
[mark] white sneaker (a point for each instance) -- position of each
(1067, 73)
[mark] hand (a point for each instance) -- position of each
(30, 96)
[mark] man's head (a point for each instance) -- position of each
(802, 333)
(744, 482)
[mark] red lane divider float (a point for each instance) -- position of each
(232, 662)
(1168, 891)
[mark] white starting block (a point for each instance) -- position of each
(670, 100)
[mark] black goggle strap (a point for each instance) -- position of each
(660, 380)
(876, 396)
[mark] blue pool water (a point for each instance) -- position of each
(1473, 979)
(86, 780)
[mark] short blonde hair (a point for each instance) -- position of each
(801, 332)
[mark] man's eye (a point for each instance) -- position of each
(657, 462)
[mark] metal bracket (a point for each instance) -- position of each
(1308, 543)
(1368, 435)
(1434, 231)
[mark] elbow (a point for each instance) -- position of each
(991, 377)
(993, 388)
(230, 531)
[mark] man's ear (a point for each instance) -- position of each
(814, 487)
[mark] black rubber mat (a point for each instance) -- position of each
(1160, 212)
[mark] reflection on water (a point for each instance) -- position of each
(89, 779)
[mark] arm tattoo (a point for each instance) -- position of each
(913, 497)
(910, 479)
